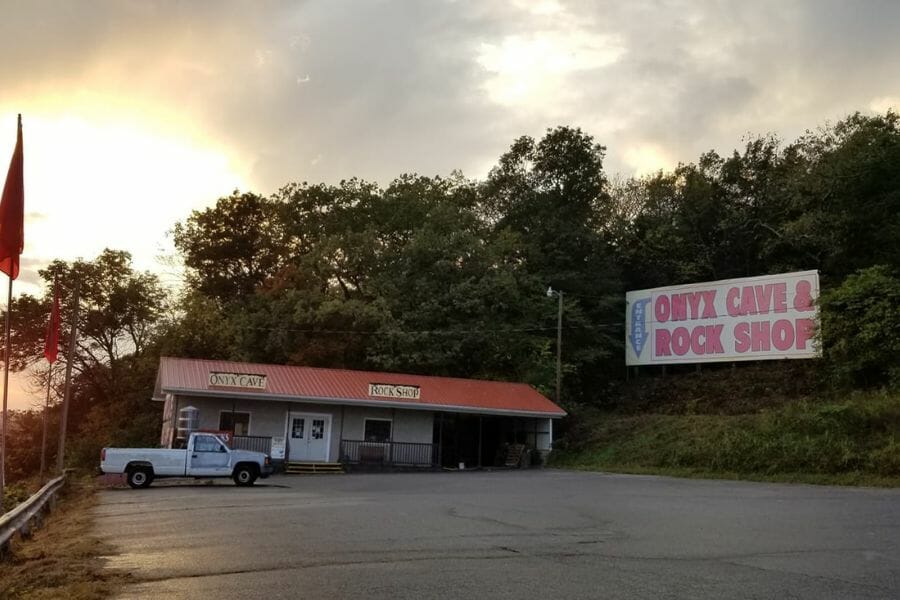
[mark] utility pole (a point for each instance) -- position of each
(559, 294)
(70, 358)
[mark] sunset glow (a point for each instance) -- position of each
(136, 113)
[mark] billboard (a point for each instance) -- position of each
(753, 318)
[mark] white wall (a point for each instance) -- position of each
(414, 426)
(267, 417)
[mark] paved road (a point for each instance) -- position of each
(517, 535)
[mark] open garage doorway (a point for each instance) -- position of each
(478, 441)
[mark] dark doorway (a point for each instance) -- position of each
(471, 439)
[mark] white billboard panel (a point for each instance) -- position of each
(753, 318)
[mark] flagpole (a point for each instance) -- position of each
(12, 240)
(5, 397)
(63, 419)
(46, 418)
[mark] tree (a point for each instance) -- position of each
(860, 328)
(552, 195)
(233, 247)
(845, 206)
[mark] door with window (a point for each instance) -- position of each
(208, 456)
(310, 437)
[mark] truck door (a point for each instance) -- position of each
(209, 456)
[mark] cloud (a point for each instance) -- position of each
(882, 104)
(390, 87)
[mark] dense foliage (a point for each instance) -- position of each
(446, 275)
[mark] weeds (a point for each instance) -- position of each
(62, 560)
(849, 440)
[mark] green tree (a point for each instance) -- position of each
(233, 247)
(553, 196)
(860, 328)
(844, 207)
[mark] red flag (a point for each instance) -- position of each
(12, 212)
(51, 344)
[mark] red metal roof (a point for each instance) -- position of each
(192, 376)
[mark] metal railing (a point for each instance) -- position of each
(389, 454)
(256, 443)
(22, 518)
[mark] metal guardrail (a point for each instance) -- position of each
(19, 520)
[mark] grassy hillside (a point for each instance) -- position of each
(753, 423)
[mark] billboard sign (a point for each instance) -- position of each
(753, 318)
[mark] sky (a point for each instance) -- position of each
(138, 111)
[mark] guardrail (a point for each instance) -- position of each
(22, 518)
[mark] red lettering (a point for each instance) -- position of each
(679, 307)
(731, 302)
(709, 304)
(803, 296)
(748, 301)
(694, 302)
(741, 337)
(806, 329)
(763, 297)
(662, 342)
(714, 339)
(698, 346)
(782, 334)
(661, 308)
(759, 336)
(781, 297)
(681, 341)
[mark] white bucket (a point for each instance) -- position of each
(462, 466)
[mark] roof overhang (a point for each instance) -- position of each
(360, 402)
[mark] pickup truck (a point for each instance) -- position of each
(206, 455)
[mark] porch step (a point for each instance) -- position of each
(311, 468)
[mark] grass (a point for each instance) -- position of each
(62, 559)
(854, 440)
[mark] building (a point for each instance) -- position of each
(358, 418)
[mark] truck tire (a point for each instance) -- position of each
(140, 477)
(245, 475)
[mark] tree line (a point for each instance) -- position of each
(447, 275)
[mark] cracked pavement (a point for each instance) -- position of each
(504, 534)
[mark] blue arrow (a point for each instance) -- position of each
(639, 332)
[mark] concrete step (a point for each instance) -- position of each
(310, 468)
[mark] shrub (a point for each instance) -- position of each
(860, 329)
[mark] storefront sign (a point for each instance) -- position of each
(755, 318)
(389, 390)
(241, 380)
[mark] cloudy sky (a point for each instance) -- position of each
(137, 111)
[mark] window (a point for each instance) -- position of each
(377, 430)
(207, 443)
(238, 422)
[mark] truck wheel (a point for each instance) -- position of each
(244, 475)
(140, 477)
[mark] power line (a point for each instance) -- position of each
(430, 331)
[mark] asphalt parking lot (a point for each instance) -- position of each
(517, 534)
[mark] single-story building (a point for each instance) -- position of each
(312, 415)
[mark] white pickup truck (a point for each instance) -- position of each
(206, 456)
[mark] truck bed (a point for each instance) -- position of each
(164, 461)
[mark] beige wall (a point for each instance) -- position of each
(269, 418)
(414, 426)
